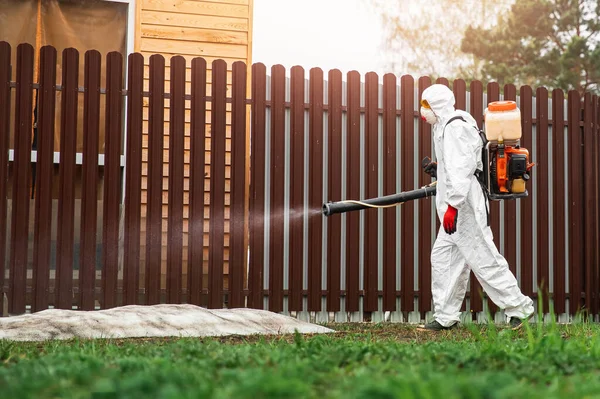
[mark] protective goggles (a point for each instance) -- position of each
(425, 104)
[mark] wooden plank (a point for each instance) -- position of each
(476, 108)
(89, 200)
(589, 200)
(408, 208)
(315, 221)
(353, 191)
(217, 187)
(112, 178)
(155, 177)
(66, 197)
(21, 180)
(42, 234)
(194, 48)
(238, 194)
(425, 244)
(277, 149)
(558, 198)
(526, 203)
(540, 157)
(296, 223)
(193, 21)
(133, 183)
(194, 34)
(197, 8)
(176, 147)
(5, 78)
(510, 208)
(334, 182)
(576, 212)
(371, 256)
(247, 2)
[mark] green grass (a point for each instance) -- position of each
(360, 361)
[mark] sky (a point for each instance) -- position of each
(342, 34)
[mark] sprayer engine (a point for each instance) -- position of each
(508, 167)
(507, 163)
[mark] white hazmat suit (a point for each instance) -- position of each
(470, 246)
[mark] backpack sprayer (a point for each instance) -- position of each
(506, 164)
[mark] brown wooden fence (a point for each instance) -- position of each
(312, 138)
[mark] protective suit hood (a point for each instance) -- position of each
(441, 100)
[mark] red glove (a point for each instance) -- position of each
(450, 220)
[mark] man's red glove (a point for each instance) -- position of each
(450, 220)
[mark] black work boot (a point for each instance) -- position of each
(516, 323)
(436, 326)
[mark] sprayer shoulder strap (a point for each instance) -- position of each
(478, 173)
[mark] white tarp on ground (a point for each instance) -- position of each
(150, 321)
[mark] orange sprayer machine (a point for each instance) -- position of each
(507, 163)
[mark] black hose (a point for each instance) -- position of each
(332, 208)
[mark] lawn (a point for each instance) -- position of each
(359, 361)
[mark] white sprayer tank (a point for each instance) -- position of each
(503, 121)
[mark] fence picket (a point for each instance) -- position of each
(540, 157)
(408, 208)
(257, 186)
(156, 126)
(5, 76)
(371, 259)
(21, 181)
(315, 222)
(476, 109)
(42, 235)
(390, 187)
(238, 188)
(576, 211)
(558, 197)
(425, 212)
(112, 176)
(510, 208)
(89, 201)
(589, 197)
(334, 182)
(217, 185)
(296, 222)
(66, 197)
(133, 178)
(527, 203)
(278, 159)
(197, 175)
(176, 149)
(353, 191)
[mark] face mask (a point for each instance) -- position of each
(428, 116)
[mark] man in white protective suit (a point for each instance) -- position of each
(465, 240)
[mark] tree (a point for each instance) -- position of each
(554, 43)
(424, 38)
